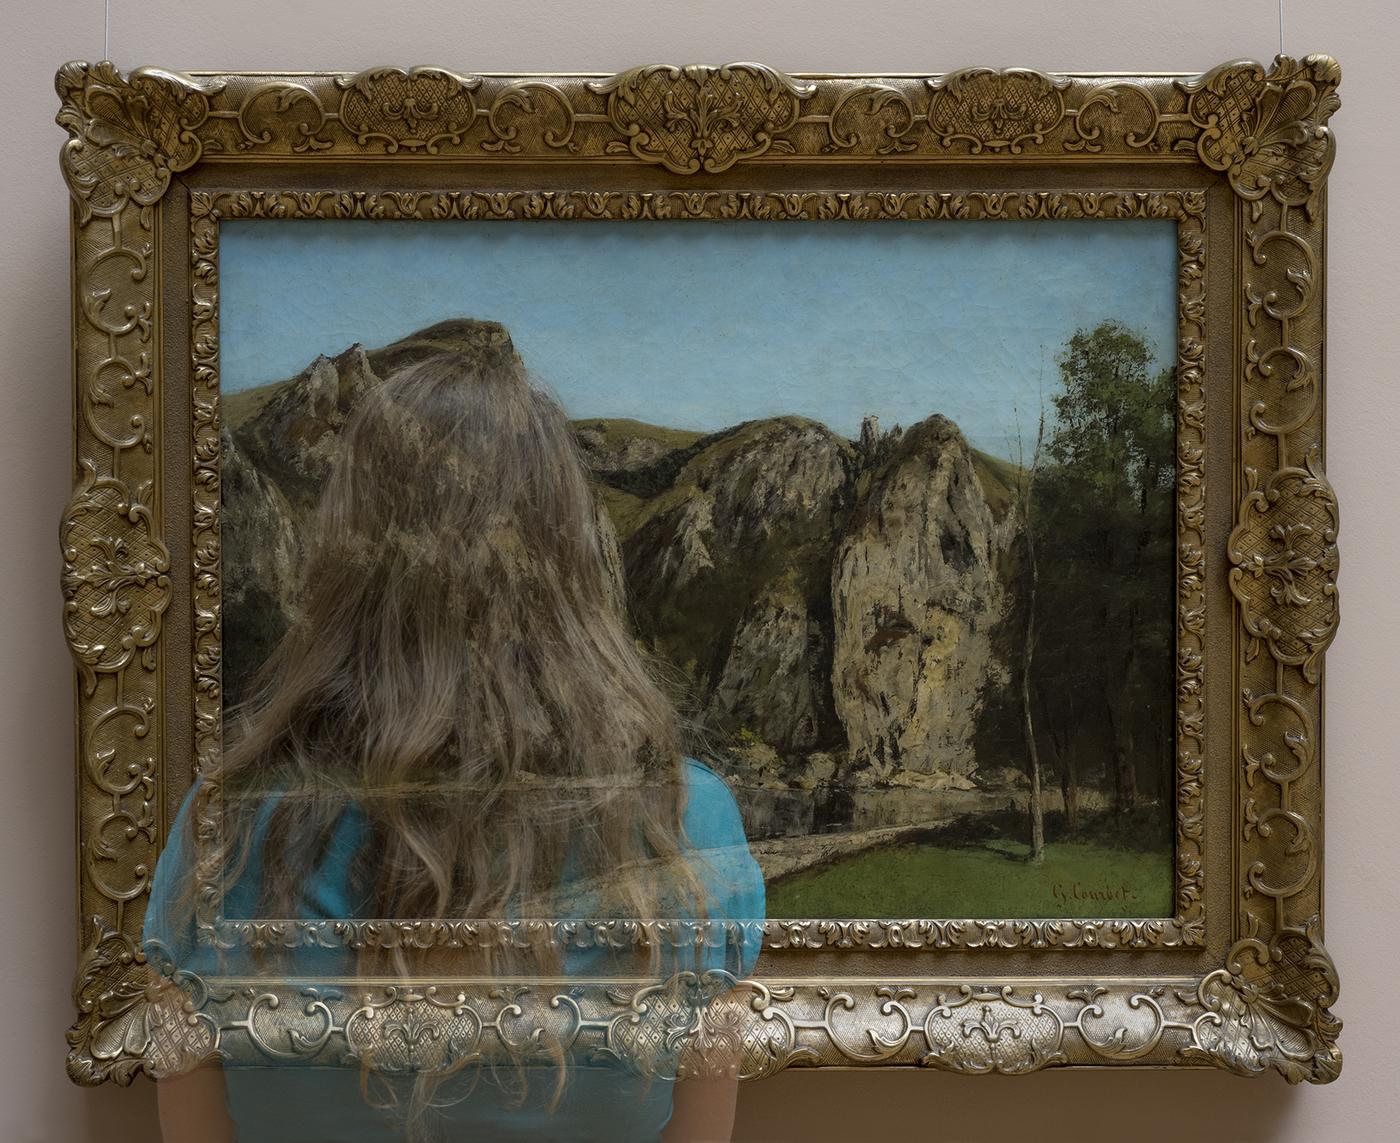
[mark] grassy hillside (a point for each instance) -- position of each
(999, 479)
(617, 431)
(674, 473)
(241, 407)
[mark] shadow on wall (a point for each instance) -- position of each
(1053, 1107)
(1059, 1106)
(114, 1114)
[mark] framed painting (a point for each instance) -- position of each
(955, 442)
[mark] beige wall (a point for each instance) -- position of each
(37, 1102)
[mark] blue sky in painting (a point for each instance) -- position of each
(703, 324)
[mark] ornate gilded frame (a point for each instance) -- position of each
(1238, 157)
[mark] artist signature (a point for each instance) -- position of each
(1077, 891)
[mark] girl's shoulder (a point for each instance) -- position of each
(714, 830)
(169, 928)
(712, 819)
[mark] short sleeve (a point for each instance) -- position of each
(168, 941)
(715, 831)
(168, 933)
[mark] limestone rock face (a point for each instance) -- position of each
(774, 678)
(612, 557)
(278, 443)
(259, 553)
(293, 438)
(915, 596)
(728, 575)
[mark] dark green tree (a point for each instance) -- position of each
(1104, 603)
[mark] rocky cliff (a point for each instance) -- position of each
(915, 598)
(831, 604)
(278, 442)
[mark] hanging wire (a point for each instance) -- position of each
(1280, 26)
(107, 29)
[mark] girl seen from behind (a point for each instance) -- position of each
(458, 724)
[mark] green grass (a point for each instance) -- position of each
(993, 880)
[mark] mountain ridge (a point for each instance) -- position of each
(835, 606)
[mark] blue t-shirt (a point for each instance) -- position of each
(323, 1104)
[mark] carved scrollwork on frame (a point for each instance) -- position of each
(1261, 132)
(115, 581)
(1185, 928)
(1284, 551)
(128, 136)
(1265, 130)
(1117, 107)
(413, 110)
(1269, 1008)
(698, 118)
(885, 111)
(1237, 1017)
(1267, 133)
(995, 110)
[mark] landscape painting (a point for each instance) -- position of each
(895, 499)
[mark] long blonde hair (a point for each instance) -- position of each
(461, 670)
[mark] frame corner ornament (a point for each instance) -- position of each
(1267, 131)
(127, 134)
(109, 1039)
(1269, 1008)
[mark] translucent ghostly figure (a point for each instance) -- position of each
(455, 875)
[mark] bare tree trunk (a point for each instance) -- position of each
(1037, 806)
(1069, 788)
(1123, 786)
(1124, 775)
(1130, 770)
(1062, 739)
(1037, 799)
(1166, 769)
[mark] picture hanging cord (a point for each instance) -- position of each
(1280, 26)
(107, 29)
